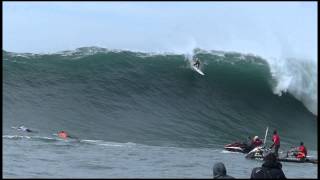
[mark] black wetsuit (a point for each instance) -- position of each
(197, 63)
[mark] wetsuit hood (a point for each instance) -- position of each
(219, 170)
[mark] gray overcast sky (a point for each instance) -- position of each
(262, 28)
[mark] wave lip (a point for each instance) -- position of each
(297, 77)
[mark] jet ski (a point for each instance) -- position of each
(291, 157)
(257, 153)
(238, 147)
(260, 152)
(244, 147)
(297, 160)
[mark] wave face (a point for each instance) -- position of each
(155, 99)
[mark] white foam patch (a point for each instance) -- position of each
(111, 144)
(49, 138)
(297, 77)
(221, 54)
(15, 137)
(104, 143)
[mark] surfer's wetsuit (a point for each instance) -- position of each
(197, 63)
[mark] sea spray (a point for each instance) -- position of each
(297, 77)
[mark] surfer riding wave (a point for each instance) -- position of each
(197, 62)
(196, 65)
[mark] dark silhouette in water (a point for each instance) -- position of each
(22, 128)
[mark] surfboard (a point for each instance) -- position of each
(198, 70)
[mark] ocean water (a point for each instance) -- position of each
(143, 115)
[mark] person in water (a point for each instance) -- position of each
(63, 134)
(276, 142)
(197, 63)
(22, 128)
(300, 151)
(220, 172)
(256, 142)
(270, 169)
(253, 143)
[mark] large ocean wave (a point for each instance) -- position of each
(127, 96)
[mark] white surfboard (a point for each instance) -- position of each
(198, 70)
